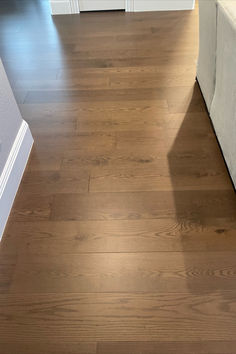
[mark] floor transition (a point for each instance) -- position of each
(122, 239)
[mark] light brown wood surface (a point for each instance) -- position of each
(122, 238)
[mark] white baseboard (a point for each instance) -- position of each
(64, 7)
(68, 7)
(162, 5)
(13, 171)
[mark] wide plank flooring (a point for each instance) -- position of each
(122, 237)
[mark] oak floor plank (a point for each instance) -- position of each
(174, 68)
(81, 144)
(80, 83)
(147, 81)
(51, 182)
(35, 207)
(29, 347)
(53, 128)
(46, 162)
(163, 235)
(199, 347)
(7, 268)
(146, 119)
(138, 157)
(133, 183)
(71, 96)
(125, 272)
(65, 318)
(196, 205)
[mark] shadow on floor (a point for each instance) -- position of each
(204, 200)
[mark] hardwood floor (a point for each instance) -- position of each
(122, 238)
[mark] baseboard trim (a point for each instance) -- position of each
(68, 7)
(163, 5)
(12, 173)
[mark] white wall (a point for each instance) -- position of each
(10, 118)
(15, 145)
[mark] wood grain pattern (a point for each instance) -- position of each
(7, 268)
(23, 210)
(51, 182)
(49, 347)
(166, 235)
(122, 237)
(64, 318)
(140, 205)
(136, 179)
(128, 272)
(203, 347)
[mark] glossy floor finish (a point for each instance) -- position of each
(122, 239)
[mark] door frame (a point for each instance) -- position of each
(74, 4)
